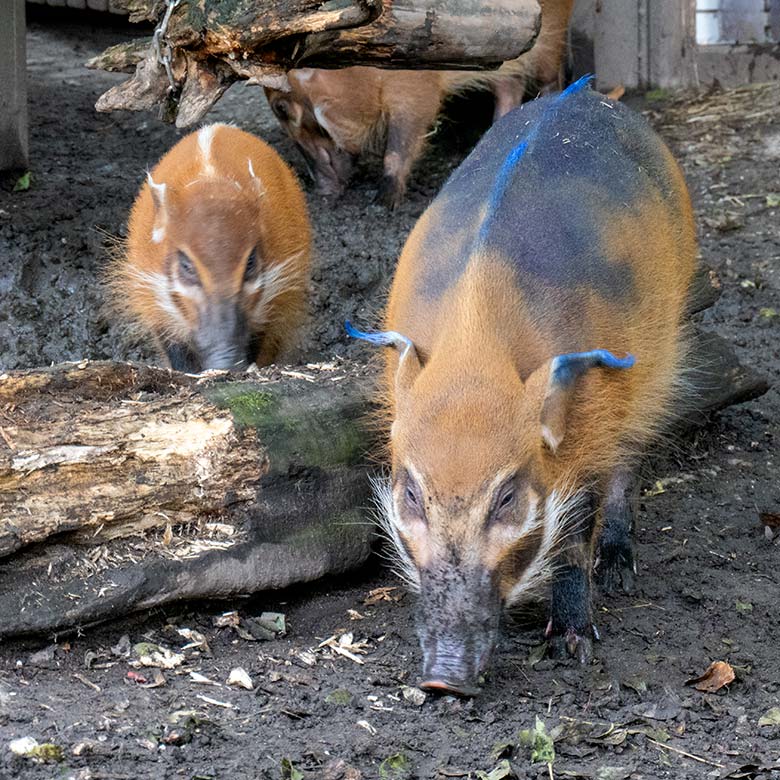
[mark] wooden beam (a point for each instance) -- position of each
(13, 86)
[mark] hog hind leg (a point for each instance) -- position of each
(615, 567)
(407, 131)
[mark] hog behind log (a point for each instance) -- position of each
(334, 116)
(536, 317)
(216, 267)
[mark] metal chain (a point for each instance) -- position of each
(162, 47)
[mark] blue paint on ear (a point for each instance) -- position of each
(387, 338)
(566, 368)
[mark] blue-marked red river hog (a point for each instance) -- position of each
(216, 267)
(536, 343)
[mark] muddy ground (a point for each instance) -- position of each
(709, 581)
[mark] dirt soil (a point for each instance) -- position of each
(709, 583)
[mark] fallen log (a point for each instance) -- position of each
(123, 487)
(211, 44)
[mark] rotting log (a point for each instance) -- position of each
(123, 487)
(214, 43)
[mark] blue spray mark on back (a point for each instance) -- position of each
(510, 164)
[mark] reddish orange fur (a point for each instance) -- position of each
(266, 211)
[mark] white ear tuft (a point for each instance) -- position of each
(158, 191)
(255, 178)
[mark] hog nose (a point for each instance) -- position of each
(452, 667)
(227, 360)
(448, 686)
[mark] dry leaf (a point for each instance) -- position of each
(770, 717)
(167, 537)
(240, 678)
(718, 675)
(413, 695)
(387, 593)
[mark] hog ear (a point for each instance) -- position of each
(257, 182)
(408, 361)
(160, 208)
(564, 372)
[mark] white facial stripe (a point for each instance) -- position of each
(319, 115)
(205, 139)
(159, 286)
(272, 282)
(389, 522)
(158, 234)
(556, 521)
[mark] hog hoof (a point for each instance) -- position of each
(615, 569)
(572, 644)
(389, 194)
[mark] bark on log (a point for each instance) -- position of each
(215, 43)
(129, 486)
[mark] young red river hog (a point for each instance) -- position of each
(536, 325)
(216, 267)
(334, 116)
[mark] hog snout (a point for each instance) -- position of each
(458, 630)
(453, 664)
(222, 339)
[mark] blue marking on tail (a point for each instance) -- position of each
(577, 86)
(512, 159)
(566, 368)
(387, 338)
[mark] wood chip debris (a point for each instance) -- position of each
(346, 646)
(226, 705)
(194, 640)
(201, 679)
(149, 654)
(364, 724)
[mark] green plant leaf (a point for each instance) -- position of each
(22, 183)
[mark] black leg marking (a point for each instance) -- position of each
(615, 567)
(570, 631)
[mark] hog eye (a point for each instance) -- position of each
(187, 271)
(251, 265)
(413, 497)
(506, 499)
(280, 109)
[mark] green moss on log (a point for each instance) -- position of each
(314, 430)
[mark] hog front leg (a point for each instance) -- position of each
(407, 129)
(615, 567)
(570, 631)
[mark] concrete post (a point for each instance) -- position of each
(13, 86)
